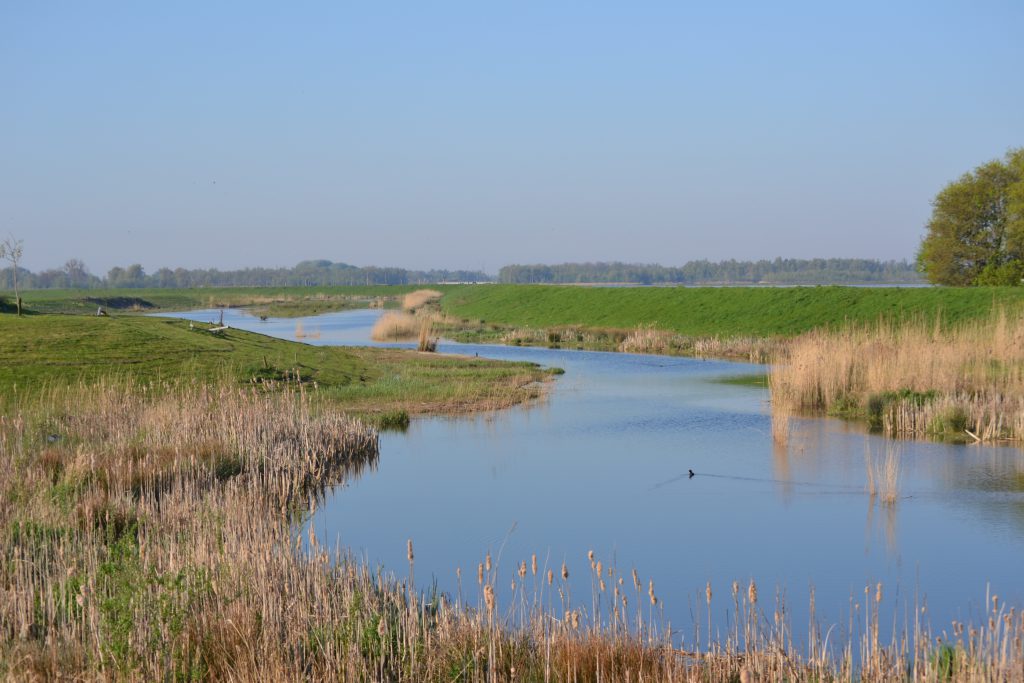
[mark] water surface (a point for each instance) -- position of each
(602, 465)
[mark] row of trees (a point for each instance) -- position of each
(976, 231)
(75, 274)
(777, 271)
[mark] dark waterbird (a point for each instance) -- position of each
(691, 474)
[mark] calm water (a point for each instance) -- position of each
(601, 464)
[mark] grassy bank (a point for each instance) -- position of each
(49, 350)
(717, 311)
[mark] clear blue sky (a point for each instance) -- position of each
(476, 134)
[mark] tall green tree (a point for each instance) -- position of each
(976, 231)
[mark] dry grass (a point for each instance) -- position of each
(643, 339)
(415, 300)
(395, 327)
(427, 342)
(913, 379)
(149, 535)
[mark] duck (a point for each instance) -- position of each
(691, 474)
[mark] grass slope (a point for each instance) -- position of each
(43, 350)
(70, 348)
(724, 311)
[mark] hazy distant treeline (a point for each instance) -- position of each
(75, 274)
(778, 271)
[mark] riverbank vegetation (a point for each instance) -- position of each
(919, 378)
(41, 351)
(149, 534)
(152, 476)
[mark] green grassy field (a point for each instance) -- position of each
(278, 300)
(37, 351)
(724, 311)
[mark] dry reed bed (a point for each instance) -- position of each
(394, 327)
(419, 298)
(644, 339)
(149, 535)
(913, 379)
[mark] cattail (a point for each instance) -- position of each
(590, 556)
(735, 589)
(752, 592)
(995, 603)
(551, 576)
(409, 547)
(601, 584)
(878, 592)
(487, 562)
(575, 620)
(636, 579)
(707, 592)
(565, 572)
(522, 569)
(381, 627)
(533, 564)
(480, 573)
(599, 568)
(650, 592)
(489, 597)
(458, 573)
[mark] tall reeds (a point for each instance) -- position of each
(914, 378)
(427, 342)
(415, 300)
(883, 473)
(149, 533)
(395, 327)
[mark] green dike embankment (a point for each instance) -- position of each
(748, 323)
(718, 311)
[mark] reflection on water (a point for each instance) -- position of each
(603, 465)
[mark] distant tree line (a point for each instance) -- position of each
(75, 274)
(778, 271)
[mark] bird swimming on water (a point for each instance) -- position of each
(691, 474)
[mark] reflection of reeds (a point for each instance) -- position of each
(780, 423)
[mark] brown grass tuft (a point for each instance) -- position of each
(395, 327)
(415, 300)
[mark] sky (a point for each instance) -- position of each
(479, 134)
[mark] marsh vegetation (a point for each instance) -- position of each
(918, 378)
